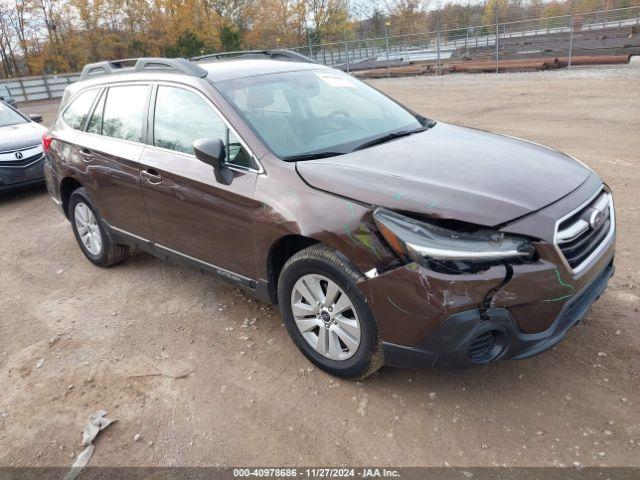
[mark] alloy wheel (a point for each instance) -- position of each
(326, 317)
(88, 229)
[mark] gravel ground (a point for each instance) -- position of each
(198, 374)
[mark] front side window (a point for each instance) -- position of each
(77, 111)
(181, 117)
(311, 111)
(124, 112)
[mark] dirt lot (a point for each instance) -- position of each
(207, 376)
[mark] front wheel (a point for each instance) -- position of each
(327, 315)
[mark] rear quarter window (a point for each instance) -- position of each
(76, 113)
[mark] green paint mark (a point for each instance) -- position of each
(352, 209)
(398, 196)
(346, 229)
(362, 239)
(432, 204)
(403, 310)
(561, 282)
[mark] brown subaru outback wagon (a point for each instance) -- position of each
(385, 237)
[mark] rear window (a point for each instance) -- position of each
(124, 112)
(77, 111)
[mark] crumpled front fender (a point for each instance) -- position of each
(411, 301)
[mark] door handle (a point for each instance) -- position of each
(151, 176)
(85, 154)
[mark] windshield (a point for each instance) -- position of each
(4, 91)
(9, 116)
(307, 112)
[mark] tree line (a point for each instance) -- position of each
(55, 36)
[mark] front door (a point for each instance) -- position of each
(191, 214)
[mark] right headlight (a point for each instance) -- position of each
(423, 242)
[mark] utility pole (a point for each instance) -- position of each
(346, 49)
(438, 38)
(497, 40)
(387, 23)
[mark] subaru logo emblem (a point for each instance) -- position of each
(18, 155)
(596, 219)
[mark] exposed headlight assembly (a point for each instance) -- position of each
(425, 243)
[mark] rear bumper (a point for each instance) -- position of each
(455, 341)
(12, 178)
(53, 184)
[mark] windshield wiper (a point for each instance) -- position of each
(389, 136)
(311, 156)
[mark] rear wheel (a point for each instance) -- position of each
(90, 234)
(327, 315)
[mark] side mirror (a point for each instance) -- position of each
(212, 152)
(35, 117)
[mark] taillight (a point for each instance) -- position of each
(46, 142)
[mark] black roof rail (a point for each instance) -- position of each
(256, 54)
(175, 65)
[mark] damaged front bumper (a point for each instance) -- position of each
(431, 319)
(475, 337)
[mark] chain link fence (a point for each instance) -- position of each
(611, 32)
(385, 49)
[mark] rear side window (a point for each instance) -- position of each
(77, 111)
(95, 122)
(124, 112)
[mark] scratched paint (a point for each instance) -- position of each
(390, 300)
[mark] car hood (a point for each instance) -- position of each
(451, 172)
(22, 135)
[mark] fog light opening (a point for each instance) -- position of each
(487, 346)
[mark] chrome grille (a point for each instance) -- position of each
(22, 162)
(579, 234)
(29, 156)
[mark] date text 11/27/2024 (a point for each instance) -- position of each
(316, 472)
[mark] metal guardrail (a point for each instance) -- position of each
(28, 89)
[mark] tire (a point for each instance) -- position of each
(333, 351)
(100, 250)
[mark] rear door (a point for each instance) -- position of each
(191, 214)
(110, 148)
